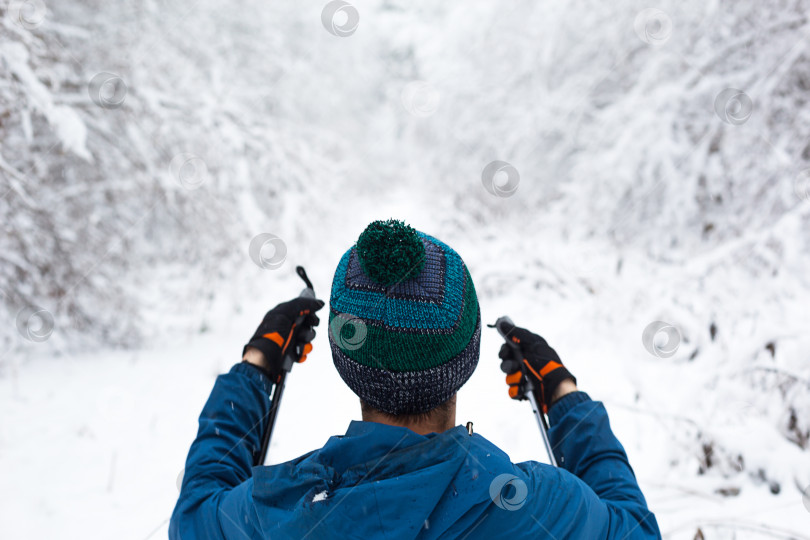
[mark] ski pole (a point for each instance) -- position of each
(290, 358)
(500, 325)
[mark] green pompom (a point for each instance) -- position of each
(390, 251)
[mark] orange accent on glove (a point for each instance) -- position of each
(275, 337)
(513, 380)
(548, 368)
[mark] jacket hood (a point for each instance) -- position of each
(380, 481)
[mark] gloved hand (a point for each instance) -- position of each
(531, 356)
(279, 331)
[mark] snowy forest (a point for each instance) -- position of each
(631, 180)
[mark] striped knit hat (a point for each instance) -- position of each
(404, 322)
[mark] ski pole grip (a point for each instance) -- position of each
(307, 293)
(295, 352)
(303, 275)
(504, 325)
(501, 326)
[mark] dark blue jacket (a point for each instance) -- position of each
(381, 481)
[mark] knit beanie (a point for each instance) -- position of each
(404, 321)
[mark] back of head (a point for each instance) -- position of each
(404, 321)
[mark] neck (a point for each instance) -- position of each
(435, 421)
(422, 428)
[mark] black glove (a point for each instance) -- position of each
(287, 325)
(535, 358)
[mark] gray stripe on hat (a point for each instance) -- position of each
(409, 392)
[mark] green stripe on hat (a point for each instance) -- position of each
(371, 344)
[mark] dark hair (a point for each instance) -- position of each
(439, 413)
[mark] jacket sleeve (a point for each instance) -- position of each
(609, 496)
(216, 496)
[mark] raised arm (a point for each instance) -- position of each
(216, 496)
(602, 498)
(585, 446)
